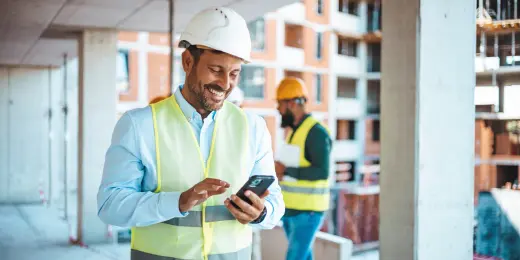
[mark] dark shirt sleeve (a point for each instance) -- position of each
(318, 147)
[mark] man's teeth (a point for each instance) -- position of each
(217, 93)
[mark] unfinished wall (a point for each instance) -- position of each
(4, 119)
(26, 135)
(31, 135)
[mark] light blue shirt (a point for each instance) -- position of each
(126, 198)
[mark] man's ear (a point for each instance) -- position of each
(187, 62)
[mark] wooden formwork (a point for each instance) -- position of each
(498, 27)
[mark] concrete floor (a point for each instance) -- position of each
(372, 255)
(30, 232)
(35, 232)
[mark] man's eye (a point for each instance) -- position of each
(214, 70)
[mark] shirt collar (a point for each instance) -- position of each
(301, 122)
(187, 109)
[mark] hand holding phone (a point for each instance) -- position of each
(248, 204)
(258, 184)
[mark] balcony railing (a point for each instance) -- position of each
(346, 150)
(292, 57)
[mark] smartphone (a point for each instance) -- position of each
(257, 184)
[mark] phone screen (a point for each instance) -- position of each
(257, 184)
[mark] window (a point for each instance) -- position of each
(257, 32)
(318, 89)
(353, 8)
(373, 97)
(252, 81)
(375, 130)
(352, 130)
(345, 130)
(348, 7)
(346, 88)
(374, 17)
(374, 57)
(319, 6)
(122, 72)
(347, 47)
(294, 35)
(319, 44)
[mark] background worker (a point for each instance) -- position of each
(173, 166)
(306, 194)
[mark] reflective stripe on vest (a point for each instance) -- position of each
(303, 194)
(241, 254)
(194, 218)
(305, 190)
(209, 231)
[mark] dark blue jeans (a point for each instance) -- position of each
(300, 231)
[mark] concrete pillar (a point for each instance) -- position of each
(501, 92)
(362, 97)
(97, 117)
(69, 177)
(4, 134)
(363, 16)
(428, 130)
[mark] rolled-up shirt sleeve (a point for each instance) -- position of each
(264, 165)
(121, 200)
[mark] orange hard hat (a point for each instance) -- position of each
(291, 88)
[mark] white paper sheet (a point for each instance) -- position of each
(289, 155)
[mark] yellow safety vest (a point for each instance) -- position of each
(304, 194)
(209, 231)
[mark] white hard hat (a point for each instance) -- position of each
(219, 28)
(236, 96)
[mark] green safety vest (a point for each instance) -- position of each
(304, 194)
(209, 231)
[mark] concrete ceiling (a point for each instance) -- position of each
(38, 32)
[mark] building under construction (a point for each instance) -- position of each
(59, 61)
(336, 50)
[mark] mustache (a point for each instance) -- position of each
(214, 87)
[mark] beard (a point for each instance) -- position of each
(287, 119)
(204, 96)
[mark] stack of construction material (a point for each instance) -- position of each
(358, 215)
